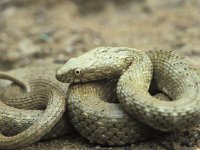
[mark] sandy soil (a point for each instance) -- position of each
(55, 30)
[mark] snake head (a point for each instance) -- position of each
(79, 69)
(96, 64)
(70, 72)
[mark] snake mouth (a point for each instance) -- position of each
(62, 78)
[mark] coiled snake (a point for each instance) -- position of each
(87, 103)
(173, 74)
(38, 89)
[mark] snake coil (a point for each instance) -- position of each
(113, 105)
(174, 75)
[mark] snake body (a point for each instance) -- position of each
(45, 93)
(174, 75)
(108, 124)
(109, 75)
(94, 111)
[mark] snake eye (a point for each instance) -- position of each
(78, 72)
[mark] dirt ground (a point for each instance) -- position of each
(34, 31)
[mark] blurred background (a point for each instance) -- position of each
(34, 31)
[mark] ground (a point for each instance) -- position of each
(55, 30)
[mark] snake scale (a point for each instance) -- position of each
(33, 87)
(109, 101)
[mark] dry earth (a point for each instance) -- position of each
(55, 30)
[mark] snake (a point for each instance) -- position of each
(174, 75)
(108, 101)
(19, 113)
(31, 106)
